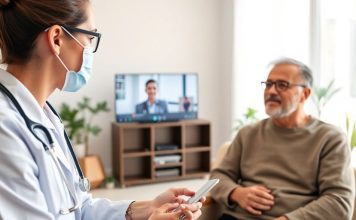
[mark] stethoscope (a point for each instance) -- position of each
(84, 183)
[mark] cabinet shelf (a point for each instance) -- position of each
(136, 154)
(167, 178)
(163, 152)
(134, 144)
(135, 180)
(167, 165)
(197, 149)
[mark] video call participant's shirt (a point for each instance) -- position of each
(152, 108)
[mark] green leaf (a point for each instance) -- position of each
(322, 95)
(95, 130)
(248, 117)
(353, 136)
(347, 123)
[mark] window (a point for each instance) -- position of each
(338, 43)
(320, 33)
(264, 31)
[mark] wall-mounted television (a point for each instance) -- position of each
(156, 97)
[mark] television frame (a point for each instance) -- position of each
(155, 117)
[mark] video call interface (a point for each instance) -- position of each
(156, 97)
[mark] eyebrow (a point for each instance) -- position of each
(283, 80)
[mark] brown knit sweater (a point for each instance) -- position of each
(308, 170)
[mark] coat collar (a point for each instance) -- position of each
(26, 100)
(35, 112)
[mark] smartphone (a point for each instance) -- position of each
(203, 190)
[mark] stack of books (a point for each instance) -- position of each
(167, 172)
(164, 159)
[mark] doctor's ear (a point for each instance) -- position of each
(54, 37)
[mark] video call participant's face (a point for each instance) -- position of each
(151, 90)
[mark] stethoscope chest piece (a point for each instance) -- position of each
(84, 184)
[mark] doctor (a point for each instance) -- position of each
(49, 45)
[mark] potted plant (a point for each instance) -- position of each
(109, 182)
(322, 95)
(78, 123)
(248, 117)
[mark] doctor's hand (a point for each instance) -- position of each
(174, 195)
(174, 211)
(254, 199)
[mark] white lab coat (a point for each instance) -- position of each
(30, 183)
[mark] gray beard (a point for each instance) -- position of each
(280, 112)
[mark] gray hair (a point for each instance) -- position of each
(305, 71)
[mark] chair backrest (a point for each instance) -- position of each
(221, 154)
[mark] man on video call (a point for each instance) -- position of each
(151, 105)
(290, 165)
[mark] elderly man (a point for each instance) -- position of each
(290, 165)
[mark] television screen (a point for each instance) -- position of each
(156, 97)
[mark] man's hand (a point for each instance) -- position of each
(254, 199)
(174, 195)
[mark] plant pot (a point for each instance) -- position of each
(79, 150)
(93, 170)
(110, 185)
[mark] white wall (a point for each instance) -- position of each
(162, 36)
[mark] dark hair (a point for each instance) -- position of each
(21, 21)
(150, 81)
(305, 71)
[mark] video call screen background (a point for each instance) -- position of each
(130, 91)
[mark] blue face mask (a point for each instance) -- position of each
(76, 80)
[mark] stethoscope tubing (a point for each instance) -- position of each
(31, 125)
(70, 146)
(84, 184)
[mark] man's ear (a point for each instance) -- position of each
(54, 37)
(306, 93)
